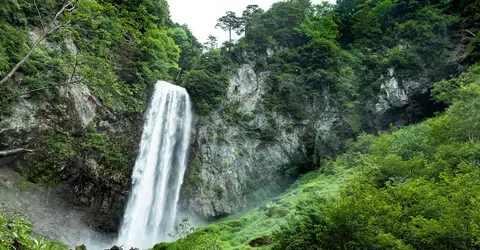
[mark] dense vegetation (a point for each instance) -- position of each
(16, 233)
(343, 50)
(410, 188)
(415, 187)
(118, 50)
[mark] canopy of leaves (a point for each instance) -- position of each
(118, 49)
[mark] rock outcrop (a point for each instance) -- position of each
(403, 100)
(72, 111)
(244, 153)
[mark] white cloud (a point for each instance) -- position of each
(201, 15)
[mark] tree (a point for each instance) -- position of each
(189, 46)
(211, 44)
(246, 16)
(229, 22)
(53, 26)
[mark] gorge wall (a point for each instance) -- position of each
(70, 158)
(244, 153)
(303, 80)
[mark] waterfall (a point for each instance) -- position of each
(159, 169)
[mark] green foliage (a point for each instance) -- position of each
(189, 46)
(252, 230)
(17, 233)
(47, 166)
(230, 22)
(451, 90)
(340, 52)
(115, 153)
(186, 241)
(417, 187)
(182, 230)
(464, 93)
(157, 55)
(207, 82)
(61, 152)
(117, 49)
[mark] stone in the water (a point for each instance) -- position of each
(82, 247)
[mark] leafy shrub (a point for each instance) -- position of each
(16, 233)
(415, 190)
(207, 83)
(113, 152)
(46, 166)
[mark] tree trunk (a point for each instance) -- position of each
(13, 152)
(230, 36)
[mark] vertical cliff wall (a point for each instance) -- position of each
(244, 153)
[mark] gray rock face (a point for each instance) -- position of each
(28, 119)
(99, 191)
(84, 102)
(243, 153)
(403, 100)
(397, 93)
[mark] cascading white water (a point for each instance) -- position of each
(159, 169)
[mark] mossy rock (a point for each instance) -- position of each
(277, 211)
(165, 246)
(82, 247)
(235, 223)
(261, 241)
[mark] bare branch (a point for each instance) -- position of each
(13, 152)
(471, 33)
(51, 86)
(62, 10)
(53, 27)
(40, 15)
(71, 9)
(67, 82)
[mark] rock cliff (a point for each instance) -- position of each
(244, 153)
(67, 128)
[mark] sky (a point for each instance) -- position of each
(201, 15)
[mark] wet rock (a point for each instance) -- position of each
(82, 247)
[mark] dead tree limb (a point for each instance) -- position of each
(13, 152)
(68, 6)
(70, 80)
(51, 86)
(471, 33)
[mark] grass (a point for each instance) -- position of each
(238, 231)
